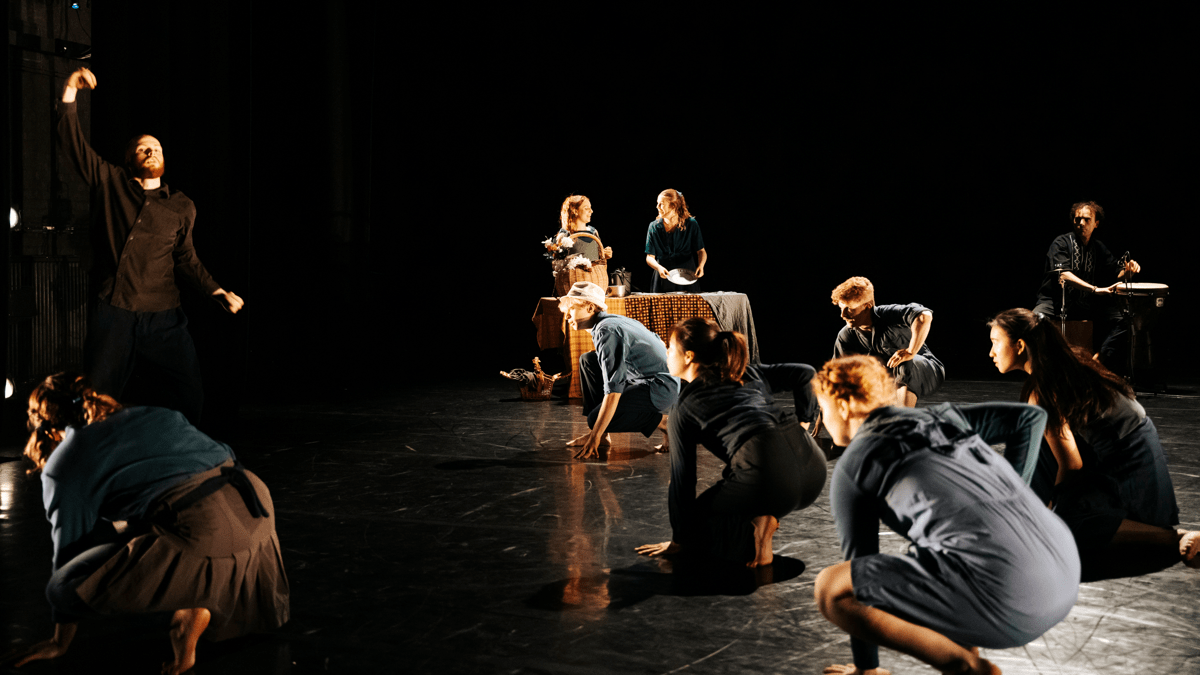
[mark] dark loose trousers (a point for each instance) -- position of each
(118, 338)
(777, 471)
(635, 410)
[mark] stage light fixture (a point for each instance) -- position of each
(14, 217)
(8, 388)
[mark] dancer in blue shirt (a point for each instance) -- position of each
(625, 381)
(149, 516)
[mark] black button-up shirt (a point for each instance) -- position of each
(140, 238)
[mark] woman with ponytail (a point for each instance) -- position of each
(772, 465)
(673, 241)
(149, 516)
(1101, 467)
(986, 565)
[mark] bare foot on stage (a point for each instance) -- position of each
(666, 444)
(1189, 548)
(186, 627)
(764, 535)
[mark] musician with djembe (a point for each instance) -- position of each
(1079, 281)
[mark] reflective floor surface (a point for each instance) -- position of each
(448, 530)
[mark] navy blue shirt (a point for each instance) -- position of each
(676, 248)
(115, 469)
(630, 354)
(724, 417)
(891, 330)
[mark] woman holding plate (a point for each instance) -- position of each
(673, 241)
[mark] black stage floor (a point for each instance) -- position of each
(449, 531)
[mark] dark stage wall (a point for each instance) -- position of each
(941, 173)
(376, 186)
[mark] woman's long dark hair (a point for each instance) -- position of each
(722, 355)
(60, 401)
(1071, 385)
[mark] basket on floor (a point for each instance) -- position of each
(535, 385)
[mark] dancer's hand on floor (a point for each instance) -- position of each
(589, 445)
(654, 550)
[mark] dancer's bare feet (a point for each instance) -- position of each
(1189, 548)
(186, 627)
(764, 535)
(666, 444)
(850, 669)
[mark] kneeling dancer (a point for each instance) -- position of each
(625, 383)
(149, 516)
(772, 465)
(1102, 467)
(988, 564)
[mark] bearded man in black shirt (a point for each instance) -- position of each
(1084, 267)
(141, 241)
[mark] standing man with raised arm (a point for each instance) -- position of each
(894, 334)
(141, 240)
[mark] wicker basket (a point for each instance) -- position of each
(534, 386)
(566, 277)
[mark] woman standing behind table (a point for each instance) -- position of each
(674, 241)
(988, 565)
(574, 216)
(149, 516)
(772, 465)
(1105, 473)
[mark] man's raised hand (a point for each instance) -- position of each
(82, 79)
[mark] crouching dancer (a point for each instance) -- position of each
(625, 383)
(149, 516)
(988, 564)
(772, 464)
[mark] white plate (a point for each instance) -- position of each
(682, 277)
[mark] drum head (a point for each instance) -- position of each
(1142, 288)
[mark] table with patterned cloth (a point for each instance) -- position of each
(658, 312)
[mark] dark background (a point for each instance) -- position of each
(375, 184)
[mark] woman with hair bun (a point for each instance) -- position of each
(772, 465)
(149, 516)
(1105, 473)
(987, 565)
(673, 241)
